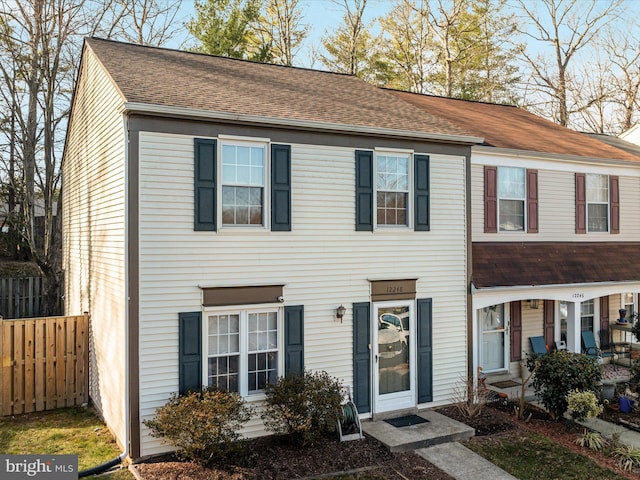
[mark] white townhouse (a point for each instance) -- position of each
(227, 222)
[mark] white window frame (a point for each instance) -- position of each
(266, 200)
(243, 368)
(410, 190)
(625, 305)
(596, 315)
(587, 202)
(523, 199)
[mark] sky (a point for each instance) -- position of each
(319, 15)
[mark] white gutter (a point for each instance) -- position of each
(532, 155)
(475, 289)
(171, 111)
(127, 361)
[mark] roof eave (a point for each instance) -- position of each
(513, 152)
(172, 111)
(495, 288)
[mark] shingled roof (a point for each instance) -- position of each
(509, 127)
(500, 264)
(196, 82)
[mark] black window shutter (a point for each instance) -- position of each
(205, 184)
(421, 193)
(425, 347)
(190, 351)
(362, 356)
(364, 191)
(280, 188)
(294, 340)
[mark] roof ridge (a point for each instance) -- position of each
(222, 57)
(482, 102)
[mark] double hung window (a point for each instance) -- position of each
(392, 189)
(587, 316)
(597, 203)
(243, 184)
(242, 350)
(511, 199)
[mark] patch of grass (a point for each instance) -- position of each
(63, 431)
(529, 456)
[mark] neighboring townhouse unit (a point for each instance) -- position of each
(217, 213)
(555, 232)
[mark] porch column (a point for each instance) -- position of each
(574, 340)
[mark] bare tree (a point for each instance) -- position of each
(280, 30)
(346, 47)
(566, 27)
(37, 71)
(144, 22)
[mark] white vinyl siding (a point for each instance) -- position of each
(93, 226)
(323, 262)
(556, 205)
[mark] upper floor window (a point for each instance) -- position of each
(243, 184)
(511, 199)
(597, 195)
(392, 189)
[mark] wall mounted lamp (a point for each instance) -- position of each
(340, 311)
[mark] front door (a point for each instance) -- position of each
(393, 356)
(494, 337)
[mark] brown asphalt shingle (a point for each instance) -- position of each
(504, 126)
(157, 76)
(497, 264)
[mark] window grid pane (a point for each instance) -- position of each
(223, 351)
(587, 315)
(598, 217)
(511, 184)
(241, 205)
(263, 350)
(511, 215)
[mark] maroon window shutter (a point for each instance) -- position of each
(604, 322)
(490, 199)
(549, 323)
(516, 331)
(581, 204)
(614, 202)
(532, 201)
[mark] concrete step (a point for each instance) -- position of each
(437, 430)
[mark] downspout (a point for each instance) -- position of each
(127, 419)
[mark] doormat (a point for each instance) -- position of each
(406, 421)
(505, 384)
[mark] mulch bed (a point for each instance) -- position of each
(267, 458)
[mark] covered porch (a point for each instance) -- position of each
(550, 290)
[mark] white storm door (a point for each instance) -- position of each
(494, 338)
(394, 382)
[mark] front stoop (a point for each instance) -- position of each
(439, 429)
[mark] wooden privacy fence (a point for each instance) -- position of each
(45, 363)
(22, 297)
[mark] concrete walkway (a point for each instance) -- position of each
(461, 463)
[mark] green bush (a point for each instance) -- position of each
(202, 425)
(303, 406)
(583, 405)
(561, 372)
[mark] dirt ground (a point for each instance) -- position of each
(267, 458)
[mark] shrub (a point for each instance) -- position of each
(303, 406)
(559, 373)
(627, 458)
(469, 398)
(583, 405)
(202, 425)
(591, 440)
(635, 371)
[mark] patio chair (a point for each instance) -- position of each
(590, 347)
(538, 345)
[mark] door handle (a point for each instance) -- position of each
(376, 357)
